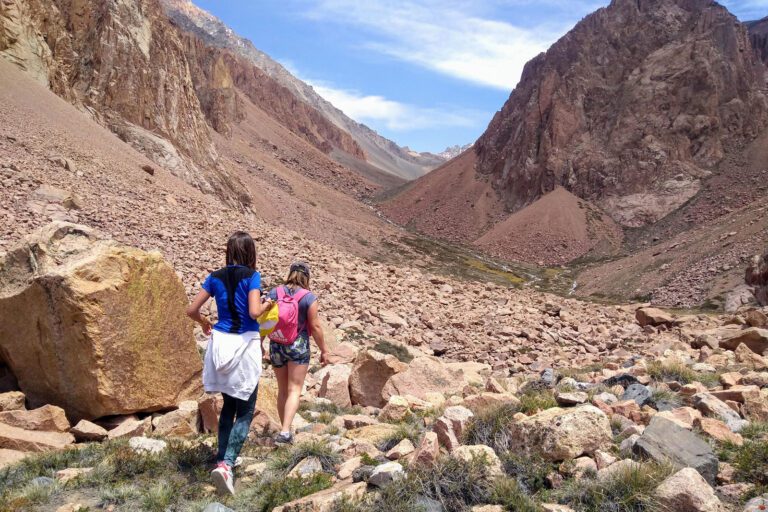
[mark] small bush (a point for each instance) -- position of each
(751, 462)
(399, 351)
(457, 484)
(491, 428)
(158, 497)
(631, 490)
(529, 473)
(680, 372)
(409, 431)
(533, 401)
(367, 460)
(507, 493)
(274, 493)
(117, 495)
(285, 459)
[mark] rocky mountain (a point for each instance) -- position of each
(758, 33)
(454, 151)
(379, 151)
(643, 112)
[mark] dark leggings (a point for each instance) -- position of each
(232, 433)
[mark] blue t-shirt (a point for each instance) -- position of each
(304, 304)
(230, 286)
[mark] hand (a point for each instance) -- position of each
(206, 326)
(324, 358)
(265, 355)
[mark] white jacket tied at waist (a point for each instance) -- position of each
(232, 364)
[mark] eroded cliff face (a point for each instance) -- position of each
(758, 34)
(630, 110)
(123, 62)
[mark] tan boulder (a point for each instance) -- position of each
(183, 422)
(428, 451)
(451, 426)
(344, 353)
(347, 467)
(131, 428)
(370, 373)
(424, 375)
(104, 323)
(472, 373)
(756, 409)
(737, 393)
(745, 357)
(559, 434)
(266, 399)
(326, 501)
(47, 418)
(653, 316)
(683, 416)
(85, 431)
(754, 338)
(14, 438)
(9, 457)
(687, 491)
(210, 406)
(334, 384)
(68, 474)
(718, 430)
(396, 409)
(373, 434)
(12, 401)
(487, 400)
(400, 450)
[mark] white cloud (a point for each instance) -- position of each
(447, 36)
(394, 115)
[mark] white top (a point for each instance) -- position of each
(232, 364)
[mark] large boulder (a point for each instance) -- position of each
(46, 418)
(451, 425)
(334, 384)
(370, 373)
(327, 500)
(687, 491)
(14, 438)
(757, 276)
(560, 434)
(103, 331)
(653, 316)
(713, 407)
(754, 338)
(665, 441)
(424, 375)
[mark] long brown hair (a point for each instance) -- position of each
(298, 276)
(241, 250)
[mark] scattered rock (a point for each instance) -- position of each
(324, 501)
(654, 317)
(687, 491)
(558, 434)
(46, 418)
(369, 374)
(480, 451)
(665, 441)
(385, 473)
(12, 401)
(334, 384)
(754, 338)
(306, 467)
(66, 475)
(716, 408)
(147, 445)
(450, 426)
(14, 438)
(424, 375)
(85, 432)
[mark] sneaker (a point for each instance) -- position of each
(223, 479)
(282, 439)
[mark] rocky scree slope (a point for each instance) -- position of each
(377, 150)
(186, 87)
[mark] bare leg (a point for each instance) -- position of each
(296, 375)
(282, 390)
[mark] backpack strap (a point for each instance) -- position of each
(301, 294)
(280, 292)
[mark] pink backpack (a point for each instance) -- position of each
(287, 328)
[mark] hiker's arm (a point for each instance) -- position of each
(317, 332)
(256, 308)
(193, 311)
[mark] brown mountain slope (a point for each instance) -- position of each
(631, 109)
(378, 151)
(758, 33)
(183, 87)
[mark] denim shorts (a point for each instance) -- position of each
(297, 352)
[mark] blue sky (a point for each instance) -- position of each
(424, 73)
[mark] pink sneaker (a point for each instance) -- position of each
(223, 479)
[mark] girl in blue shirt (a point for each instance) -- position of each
(233, 357)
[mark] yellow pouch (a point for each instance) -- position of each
(268, 321)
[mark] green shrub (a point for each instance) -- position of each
(535, 400)
(285, 459)
(751, 462)
(507, 493)
(491, 428)
(117, 495)
(629, 490)
(399, 351)
(158, 497)
(530, 473)
(404, 430)
(680, 372)
(273, 492)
